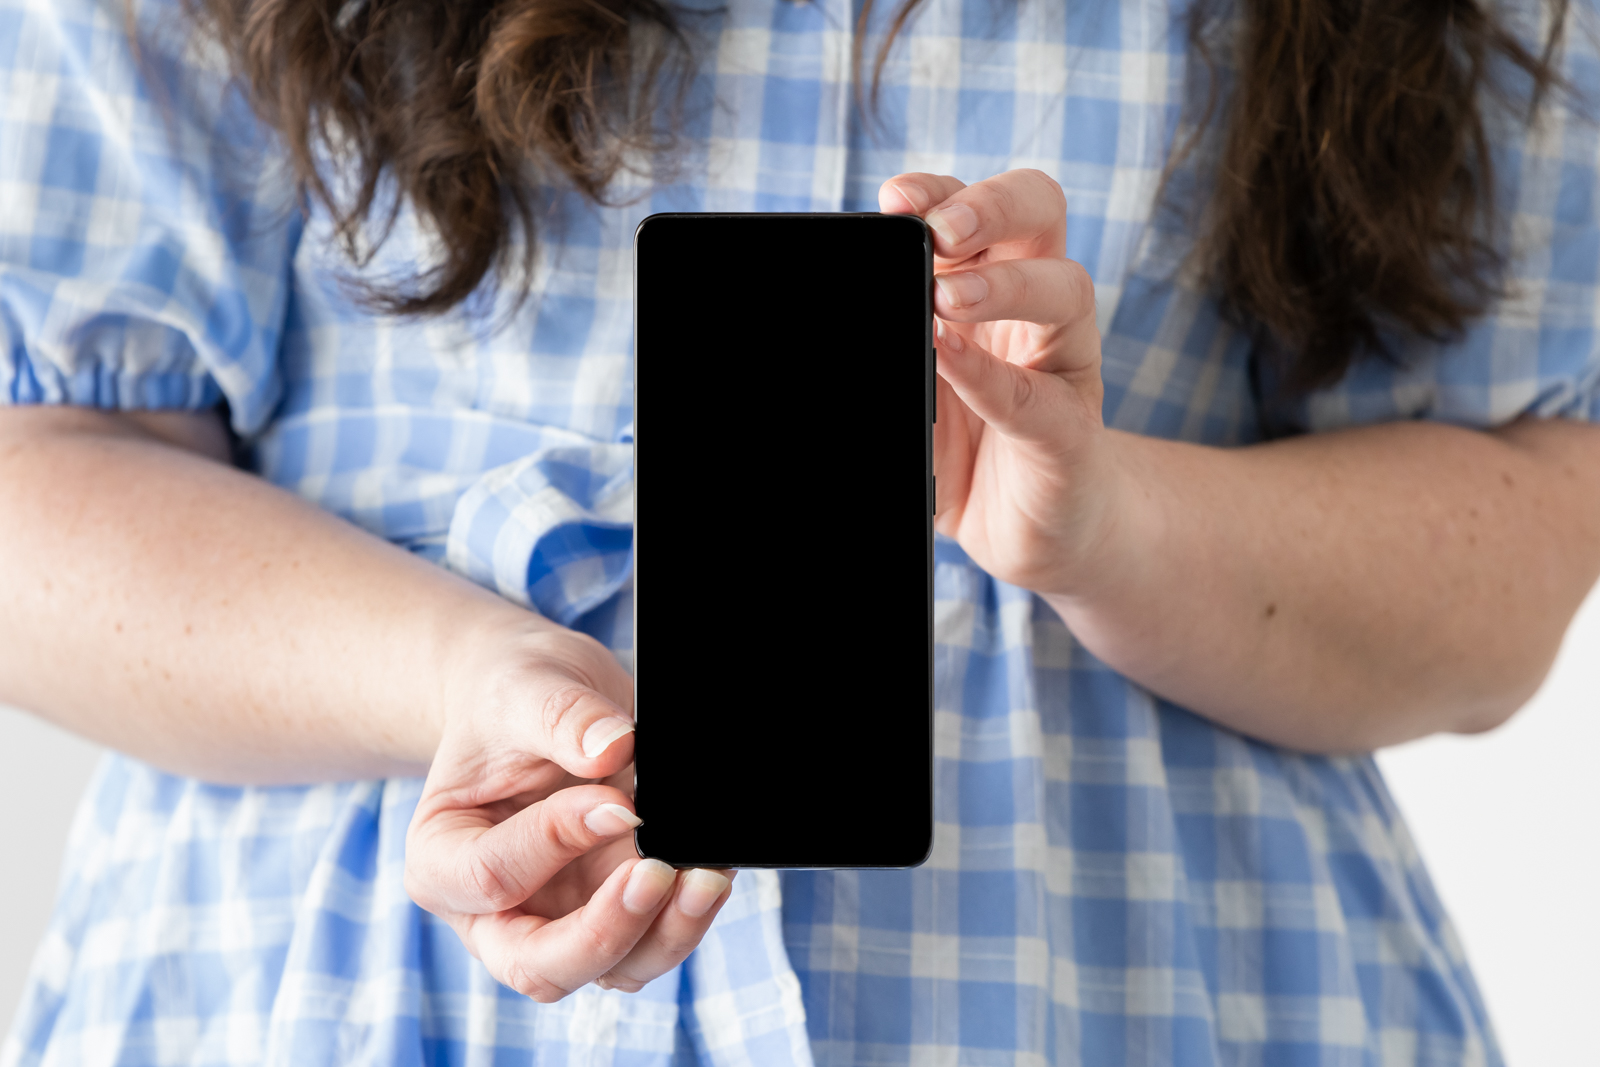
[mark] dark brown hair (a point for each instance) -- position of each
(456, 103)
(1353, 189)
(1354, 194)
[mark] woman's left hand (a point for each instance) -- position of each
(1328, 592)
(1026, 483)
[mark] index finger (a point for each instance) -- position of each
(1019, 206)
(914, 193)
(456, 863)
(546, 959)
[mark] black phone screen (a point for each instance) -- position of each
(783, 540)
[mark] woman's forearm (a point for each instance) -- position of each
(1328, 593)
(1333, 593)
(185, 612)
(1343, 591)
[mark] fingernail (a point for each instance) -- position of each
(953, 224)
(599, 737)
(603, 982)
(913, 195)
(648, 883)
(949, 340)
(608, 820)
(700, 890)
(962, 290)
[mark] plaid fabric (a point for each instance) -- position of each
(1114, 880)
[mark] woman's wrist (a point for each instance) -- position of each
(499, 656)
(469, 638)
(232, 631)
(1118, 581)
(1117, 521)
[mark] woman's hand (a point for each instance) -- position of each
(1025, 483)
(521, 839)
(1332, 592)
(234, 632)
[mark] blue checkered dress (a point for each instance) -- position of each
(1114, 880)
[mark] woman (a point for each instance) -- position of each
(1168, 620)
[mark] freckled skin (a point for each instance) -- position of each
(359, 660)
(1157, 553)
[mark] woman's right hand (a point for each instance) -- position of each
(521, 839)
(237, 633)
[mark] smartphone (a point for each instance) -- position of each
(783, 540)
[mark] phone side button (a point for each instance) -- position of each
(933, 495)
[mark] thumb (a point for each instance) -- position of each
(578, 728)
(544, 713)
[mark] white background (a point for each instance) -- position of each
(1509, 822)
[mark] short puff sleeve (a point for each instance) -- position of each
(146, 222)
(1537, 351)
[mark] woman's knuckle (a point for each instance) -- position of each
(625, 981)
(560, 834)
(604, 940)
(515, 976)
(558, 704)
(1047, 186)
(518, 975)
(1022, 391)
(548, 993)
(1002, 204)
(1080, 289)
(566, 653)
(611, 944)
(483, 882)
(676, 947)
(1021, 285)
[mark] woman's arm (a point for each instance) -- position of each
(165, 604)
(172, 607)
(1348, 590)
(1330, 593)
